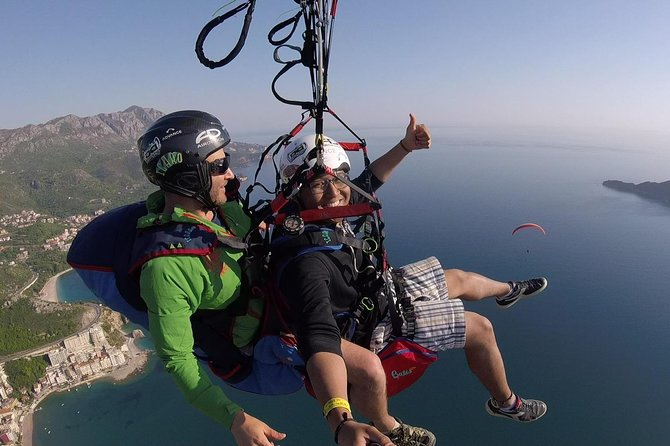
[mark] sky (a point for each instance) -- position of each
(592, 64)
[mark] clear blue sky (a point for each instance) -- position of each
(559, 63)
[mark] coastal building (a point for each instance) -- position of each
(57, 357)
(6, 415)
(117, 358)
(84, 369)
(97, 336)
(5, 388)
(94, 337)
(7, 437)
(8, 424)
(77, 342)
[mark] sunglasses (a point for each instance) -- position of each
(220, 166)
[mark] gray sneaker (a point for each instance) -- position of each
(406, 435)
(522, 289)
(524, 410)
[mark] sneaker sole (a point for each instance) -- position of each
(431, 440)
(523, 296)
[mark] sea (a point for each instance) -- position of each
(593, 345)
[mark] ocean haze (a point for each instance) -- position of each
(591, 345)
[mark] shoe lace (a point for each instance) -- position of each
(530, 407)
(408, 433)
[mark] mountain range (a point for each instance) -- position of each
(74, 164)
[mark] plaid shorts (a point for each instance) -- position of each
(440, 321)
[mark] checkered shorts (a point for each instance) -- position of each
(440, 321)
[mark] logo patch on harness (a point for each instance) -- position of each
(399, 374)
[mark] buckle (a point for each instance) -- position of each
(293, 225)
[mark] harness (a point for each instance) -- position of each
(357, 322)
(109, 252)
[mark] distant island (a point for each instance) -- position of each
(657, 192)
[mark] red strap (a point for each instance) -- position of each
(351, 146)
(312, 215)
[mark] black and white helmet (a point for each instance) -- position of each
(173, 151)
(303, 149)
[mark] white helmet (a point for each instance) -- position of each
(296, 151)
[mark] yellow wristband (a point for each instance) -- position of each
(333, 403)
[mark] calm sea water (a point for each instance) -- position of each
(593, 345)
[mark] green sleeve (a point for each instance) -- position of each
(172, 287)
(236, 218)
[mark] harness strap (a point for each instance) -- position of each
(312, 215)
(319, 238)
(216, 21)
(275, 29)
(287, 66)
(232, 241)
(394, 284)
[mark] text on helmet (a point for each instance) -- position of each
(168, 160)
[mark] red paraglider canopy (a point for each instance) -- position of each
(529, 225)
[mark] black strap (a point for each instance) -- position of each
(394, 287)
(307, 105)
(216, 21)
(233, 242)
(293, 20)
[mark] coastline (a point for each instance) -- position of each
(136, 361)
(49, 291)
(134, 366)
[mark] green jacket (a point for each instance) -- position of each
(174, 287)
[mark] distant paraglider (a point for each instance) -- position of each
(529, 225)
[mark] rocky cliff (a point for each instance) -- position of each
(658, 192)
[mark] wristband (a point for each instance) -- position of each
(333, 403)
(403, 147)
(339, 427)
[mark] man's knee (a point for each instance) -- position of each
(478, 329)
(454, 279)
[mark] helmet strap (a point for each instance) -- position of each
(205, 180)
(200, 192)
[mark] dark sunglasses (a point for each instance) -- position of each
(220, 166)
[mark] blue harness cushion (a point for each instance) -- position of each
(101, 255)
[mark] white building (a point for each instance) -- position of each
(57, 357)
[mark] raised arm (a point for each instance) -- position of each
(417, 136)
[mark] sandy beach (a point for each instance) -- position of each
(50, 292)
(134, 365)
(27, 428)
